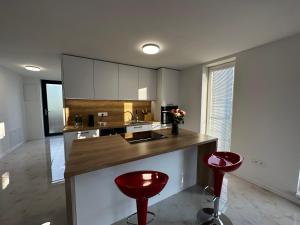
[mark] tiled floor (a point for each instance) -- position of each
(31, 193)
(242, 202)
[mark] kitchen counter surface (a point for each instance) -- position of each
(97, 153)
(69, 128)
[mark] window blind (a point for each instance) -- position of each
(219, 107)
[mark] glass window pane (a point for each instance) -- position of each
(220, 97)
(55, 108)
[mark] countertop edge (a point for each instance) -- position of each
(103, 166)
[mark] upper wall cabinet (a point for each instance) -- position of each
(78, 77)
(168, 86)
(106, 80)
(128, 82)
(147, 84)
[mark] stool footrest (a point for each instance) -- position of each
(148, 221)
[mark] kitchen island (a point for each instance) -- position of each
(92, 197)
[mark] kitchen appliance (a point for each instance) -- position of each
(166, 116)
(91, 121)
(144, 136)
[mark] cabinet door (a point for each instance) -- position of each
(138, 128)
(78, 77)
(170, 87)
(128, 82)
(106, 80)
(69, 137)
(147, 84)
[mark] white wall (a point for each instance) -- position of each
(190, 96)
(11, 110)
(33, 108)
(266, 113)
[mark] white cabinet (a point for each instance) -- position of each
(77, 77)
(106, 80)
(138, 128)
(168, 86)
(69, 137)
(128, 82)
(147, 84)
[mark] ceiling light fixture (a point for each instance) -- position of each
(47, 223)
(150, 49)
(33, 68)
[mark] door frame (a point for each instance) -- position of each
(45, 106)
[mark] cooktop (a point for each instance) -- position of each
(144, 136)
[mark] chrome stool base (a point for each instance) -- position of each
(209, 216)
(132, 219)
(206, 217)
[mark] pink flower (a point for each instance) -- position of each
(178, 112)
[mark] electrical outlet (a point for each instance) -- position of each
(258, 162)
(102, 114)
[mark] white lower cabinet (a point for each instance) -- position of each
(138, 128)
(69, 137)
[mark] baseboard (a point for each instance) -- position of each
(12, 149)
(271, 189)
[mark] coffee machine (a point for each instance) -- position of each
(166, 116)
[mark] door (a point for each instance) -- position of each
(219, 104)
(52, 107)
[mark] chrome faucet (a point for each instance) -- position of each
(132, 116)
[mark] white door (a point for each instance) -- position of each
(77, 77)
(106, 80)
(147, 84)
(128, 82)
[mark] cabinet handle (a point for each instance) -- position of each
(138, 127)
(85, 132)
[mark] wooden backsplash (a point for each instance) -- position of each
(115, 109)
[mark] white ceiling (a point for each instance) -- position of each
(188, 31)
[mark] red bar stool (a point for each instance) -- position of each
(220, 163)
(142, 185)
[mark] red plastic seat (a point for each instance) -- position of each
(220, 163)
(142, 185)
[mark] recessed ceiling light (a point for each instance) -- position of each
(33, 68)
(151, 49)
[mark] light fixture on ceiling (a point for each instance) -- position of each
(150, 49)
(47, 223)
(33, 68)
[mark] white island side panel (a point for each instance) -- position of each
(99, 201)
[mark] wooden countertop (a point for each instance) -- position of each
(97, 153)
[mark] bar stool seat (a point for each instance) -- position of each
(142, 185)
(220, 163)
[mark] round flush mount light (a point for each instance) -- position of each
(150, 49)
(33, 68)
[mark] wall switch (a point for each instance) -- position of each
(101, 114)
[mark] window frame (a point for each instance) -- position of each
(208, 80)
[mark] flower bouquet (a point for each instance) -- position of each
(178, 117)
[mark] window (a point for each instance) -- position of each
(298, 188)
(219, 104)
